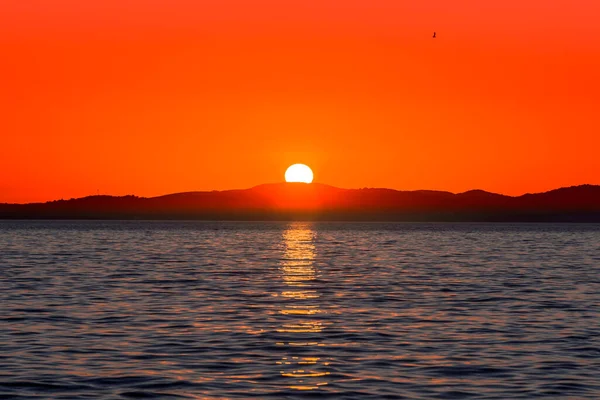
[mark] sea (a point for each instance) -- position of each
(285, 310)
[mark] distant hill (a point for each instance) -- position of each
(285, 201)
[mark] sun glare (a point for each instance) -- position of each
(299, 173)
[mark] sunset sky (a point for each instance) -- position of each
(151, 97)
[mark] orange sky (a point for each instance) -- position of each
(152, 97)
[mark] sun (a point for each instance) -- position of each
(299, 173)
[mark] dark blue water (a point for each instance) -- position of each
(92, 310)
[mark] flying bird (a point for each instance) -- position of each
(434, 35)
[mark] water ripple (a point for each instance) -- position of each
(130, 310)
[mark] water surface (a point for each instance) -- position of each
(92, 310)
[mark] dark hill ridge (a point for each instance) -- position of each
(284, 201)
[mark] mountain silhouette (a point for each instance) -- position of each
(285, 201)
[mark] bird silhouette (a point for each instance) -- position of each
(434, 35)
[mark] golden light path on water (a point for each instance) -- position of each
(305, 372)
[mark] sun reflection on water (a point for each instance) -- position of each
(302, 309)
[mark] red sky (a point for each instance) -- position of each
(153, 97)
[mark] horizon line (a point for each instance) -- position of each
(301, 183)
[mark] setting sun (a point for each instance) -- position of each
(299, 173)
